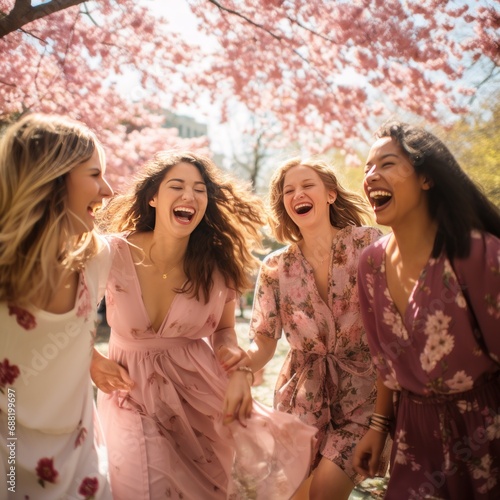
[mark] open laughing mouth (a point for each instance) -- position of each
(184, 214)
(92, 209)
(380, 198)
(302, 208)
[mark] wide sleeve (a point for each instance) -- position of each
(266, 318)
(365, 290)
(479, 275)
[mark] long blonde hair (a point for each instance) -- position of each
(36, 246)
(349, 208)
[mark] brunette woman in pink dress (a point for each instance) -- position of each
(430, 296)
(185, 254)
(308, 290)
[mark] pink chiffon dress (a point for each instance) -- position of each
(447, 387)
(165, 438)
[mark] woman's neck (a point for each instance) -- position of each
(161, 250)
(316, 244)
(416, 240)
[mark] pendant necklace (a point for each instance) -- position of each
(165, 275)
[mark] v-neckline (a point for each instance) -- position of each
(311, 270)
(143, 305)
(414, 289)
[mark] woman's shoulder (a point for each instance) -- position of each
(277, 255)
(375, 250)
(360, 237)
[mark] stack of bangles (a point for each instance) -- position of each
(380, 423)
(246, 369)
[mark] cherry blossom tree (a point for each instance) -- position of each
(71, 61)
(327, 72)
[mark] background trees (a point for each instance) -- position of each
(326, 73)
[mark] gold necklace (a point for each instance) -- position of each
(165, 274)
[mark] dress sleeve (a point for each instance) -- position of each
(266, 318)
(370, 313)
(366, 301)
(479, 275)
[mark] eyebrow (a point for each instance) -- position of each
(383, 157)
(309, 179)
(183, 181)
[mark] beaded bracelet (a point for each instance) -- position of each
(246, 369)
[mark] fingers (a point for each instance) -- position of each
(127, 382)
(238, 401)
(361, 467)
(373, 464)
(109, 376)
(245, 410)
(229, 357)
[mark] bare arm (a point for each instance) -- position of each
(261, 351)
(238, 399)
(366, 457)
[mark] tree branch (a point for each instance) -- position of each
(270, 33)
(23, 13)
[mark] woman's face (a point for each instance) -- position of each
(86, 187)
(391, 184)
(181, 200)
(305, 197)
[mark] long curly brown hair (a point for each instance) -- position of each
(225, 238)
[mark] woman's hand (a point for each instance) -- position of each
(366, 457)
(108, 375)
(232, 357)
(238, 400)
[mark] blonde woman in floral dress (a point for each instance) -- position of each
(308, 290)
(430, 297)
(52, 274)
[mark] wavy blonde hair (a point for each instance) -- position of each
(349, 207)
(36, 246)
(224, 239)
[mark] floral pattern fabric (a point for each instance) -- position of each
(447, 437)
(50, 442)
(165, 438)
(327, 379)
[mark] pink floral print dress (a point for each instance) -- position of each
(447, 435)
(51, 445)
(328, 378)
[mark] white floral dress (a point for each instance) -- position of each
(328, 378)
(50, 444)
(447, 435)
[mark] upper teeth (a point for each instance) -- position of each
(300, 205)
(184, 209)
(379, 194)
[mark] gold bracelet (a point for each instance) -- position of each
(246, 369)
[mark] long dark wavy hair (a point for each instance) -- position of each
(456, 203)
(224, 239)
